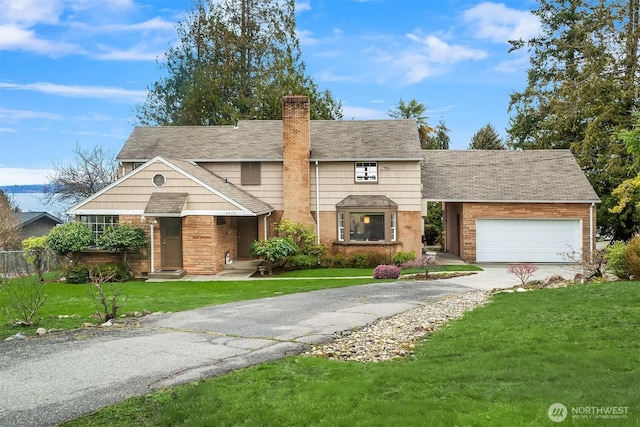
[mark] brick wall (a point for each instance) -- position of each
(204, 244)
(296, 128)
(472, 211)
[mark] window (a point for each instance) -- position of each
(367, 218)
(366, 172)
(136, 165)
(250, 173)
(341, 226)
(366, 226)
(394, 226)
(159, 180)
(98, 223)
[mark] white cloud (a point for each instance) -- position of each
(98, 92)
(30, 12)
(430, 55)
(514, 65)
(154, 24)
(306, 38)
(13, 115)
(22, 176)
(14, 37)
(8, 130)
(499, 23)
(303, 5)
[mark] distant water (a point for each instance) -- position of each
(32, 202)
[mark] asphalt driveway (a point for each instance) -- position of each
(47, 380)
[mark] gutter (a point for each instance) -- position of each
(317, 203)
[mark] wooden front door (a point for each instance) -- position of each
(171, 240)
(247, 234)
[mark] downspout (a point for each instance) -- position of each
(266, 225)
(591, 242)
(317, 202)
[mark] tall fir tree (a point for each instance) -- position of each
(582, 90)
(234, 59)
(486, 138)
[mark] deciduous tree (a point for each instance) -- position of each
(89, 172)
(234, 59)
(9, 224)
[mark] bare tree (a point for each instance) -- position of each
(90, 171)
(9, 224)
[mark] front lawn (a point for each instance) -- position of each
(503, 364)
(68, 306)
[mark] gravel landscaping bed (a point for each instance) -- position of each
(396, 336)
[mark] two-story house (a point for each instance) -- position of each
(206, 193)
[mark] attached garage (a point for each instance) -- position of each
(527, 240)
(512, 206)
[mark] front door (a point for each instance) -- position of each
(247, 234)
(171, 239)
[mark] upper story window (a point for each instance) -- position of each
(366, 171)
(136, 165)
(250, 173)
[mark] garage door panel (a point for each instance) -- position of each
(526, 240)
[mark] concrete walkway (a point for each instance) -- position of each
(47, 380)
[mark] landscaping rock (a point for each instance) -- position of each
(41, 331)
(608, 277)
(578, 278)
(395, 336)
(554, 278)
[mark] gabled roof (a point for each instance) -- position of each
(27, 218)
(245, 202)
(504, 176)
(261, 140)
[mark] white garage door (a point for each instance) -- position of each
(527, 240)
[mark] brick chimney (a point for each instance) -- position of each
(296, 139)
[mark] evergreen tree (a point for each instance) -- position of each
(440, 139)
(486, 138)
(581, 92)
(235, 59)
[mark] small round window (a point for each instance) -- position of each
(158, 180)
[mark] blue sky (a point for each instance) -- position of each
(73, 71)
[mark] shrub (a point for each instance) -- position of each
(36, 248)
(632, 257)
(375, 259)
(614, 255)
(274, 251)
(432, 234)
(24, 301)
(424, 261)
(386, 272)
(123, 238)
(302, 262)
(335, 261)
(75, 273)
(402, 257)
(116, 271)
(522, 271)
(70, 239)
(358, 261)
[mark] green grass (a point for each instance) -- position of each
(368, 272)
(500, 365)
(75, 300)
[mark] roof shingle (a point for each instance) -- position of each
(504, 176)
(261, 140)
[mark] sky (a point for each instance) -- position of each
(73, 71)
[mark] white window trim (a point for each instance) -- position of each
(394, 226)
(341, 226)
(366, 171)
